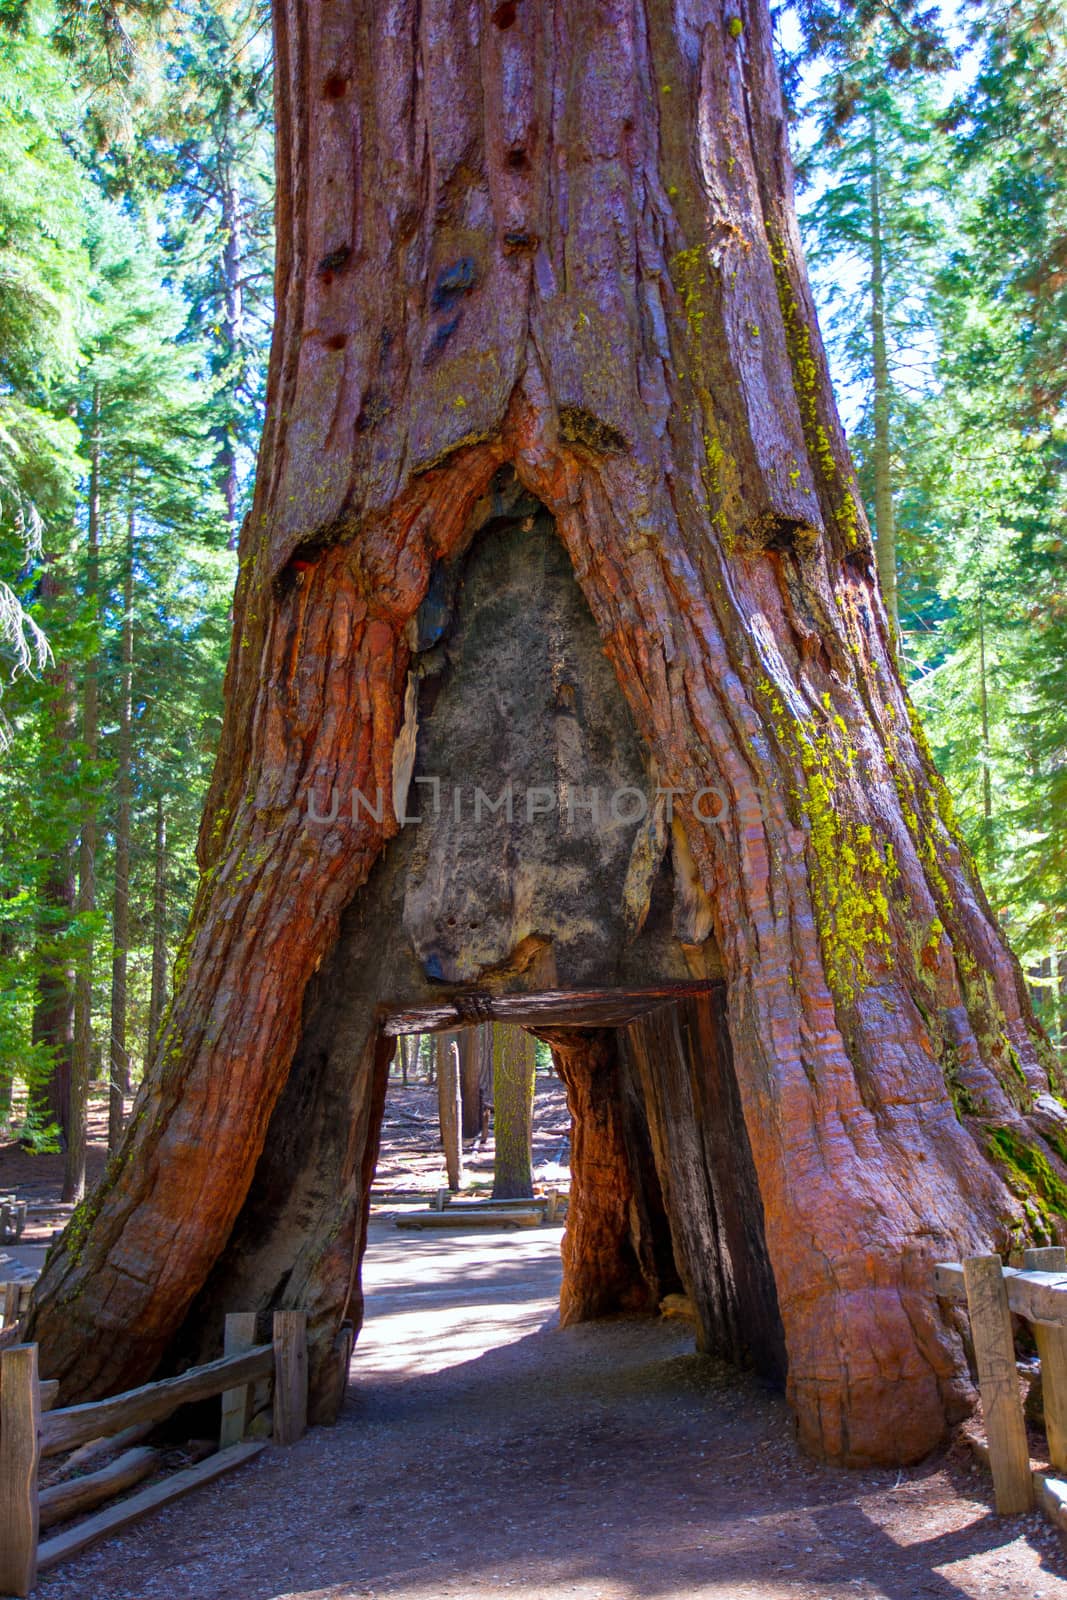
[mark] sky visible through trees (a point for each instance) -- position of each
(135, 310)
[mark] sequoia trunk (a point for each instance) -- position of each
(559, 238)
(514, 1068)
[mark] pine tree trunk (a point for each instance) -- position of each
(119, 1057)
(470, 1081)
(514, 1063)
(885, 529)
(449, 1109)
(81, 1063)
(988, 852)
(53, 1012)
(158, 991)
(232, 331)
(550, 239)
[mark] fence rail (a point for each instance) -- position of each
(992, 1294)
(31, 1431)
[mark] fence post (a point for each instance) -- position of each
(290, 1376)
(12, 1302)
(1052, 1350)
(240, 1335)
(998, 1381)
(20, 1443)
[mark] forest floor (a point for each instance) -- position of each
(486, 1453)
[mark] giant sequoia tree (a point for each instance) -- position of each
(542, 316)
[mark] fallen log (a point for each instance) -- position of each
(470, 1217)
(64, 1500)
(64, 1545)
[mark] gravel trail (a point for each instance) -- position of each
(484, 1453)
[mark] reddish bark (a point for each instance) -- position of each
(616, 1256)
(568, 243)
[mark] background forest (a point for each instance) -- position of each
(135, 306)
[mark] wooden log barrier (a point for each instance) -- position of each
(470, 1217)
(290, 1376)
(12, 1301)
(998, 1382)
(68, 1543)
(1052, 1351)
(29, 1431)
(239, 1336)
(63, 1430)
(1037, 1296)
(70, 1499)
(20, 1422)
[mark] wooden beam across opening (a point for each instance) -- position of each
(575, 1008)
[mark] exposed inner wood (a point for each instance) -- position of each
(467, 914)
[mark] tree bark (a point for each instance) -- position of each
(233, 327)
(617, 1253)
(53, 1012)
(562, 238)
(449, 1108)
(885, 528)
(988, 851)
(118, 1052)
(81, 1061)
(470, 1080)
(158, 991)
(514, 1065)
(681, 1057)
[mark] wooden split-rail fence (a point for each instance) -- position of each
(31, 1431)
(993, 1294)
(12, 1218)
(15, 1299)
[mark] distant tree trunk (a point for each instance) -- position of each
(118, 1053)
(988, 851)
(53, 1012)
(233, 330)
(485, 1078)
(514, 1065)
(884, 513)
(81, 1065)
(560, 243)
(158, 992)
(8, 949)
(470, 1080)
(448, 1107)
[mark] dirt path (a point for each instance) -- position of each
(485, 1453)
